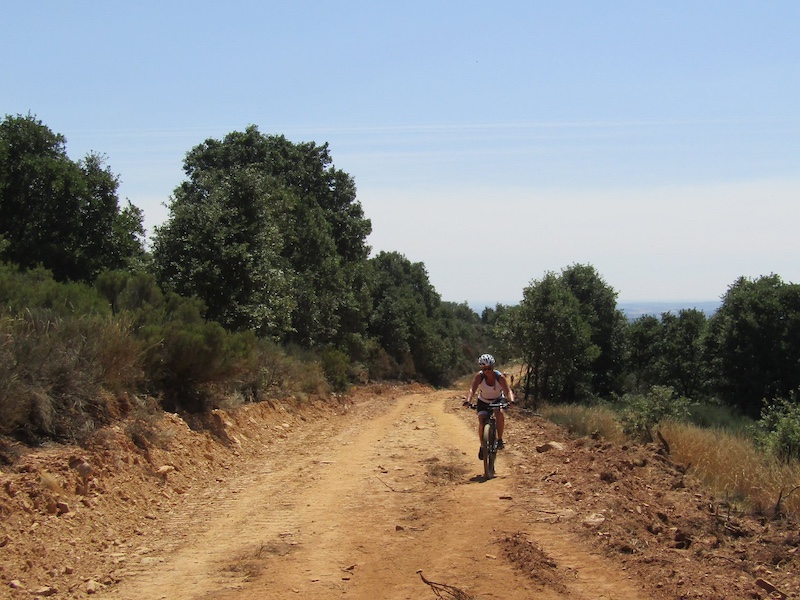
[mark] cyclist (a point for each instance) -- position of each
(493, 388)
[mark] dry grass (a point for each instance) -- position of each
(445, 473)
(735, 469)
(586, 420)
(728, 463)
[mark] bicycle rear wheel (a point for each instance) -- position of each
(488, 450)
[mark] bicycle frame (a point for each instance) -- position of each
(489, 438)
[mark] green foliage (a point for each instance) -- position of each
(549, 333)
(644, 352)
(270, 236)
(779, 428)
(669, 351)
(58, 213)
(643, 412)
(187, 356)
(422, 336)
(597, 303)
(57, 371)
(336, 366)
(221, 244)
(754, 342)
(35, 290)
(682, 363)
(713, 414)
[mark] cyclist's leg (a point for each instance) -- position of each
(482, 416)
(500, 416)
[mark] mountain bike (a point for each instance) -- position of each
(489, 437)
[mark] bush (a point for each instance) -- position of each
(336, 367)
(715, 415)
(186, 362)
(35, 290)
(145, 427)
(779, 429)
(643, 412)
(55, 375)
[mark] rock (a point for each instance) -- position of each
(15, 584)
(83, 468)
(51, 506)
(10, 489)
(92, 586)
(594, 520)
(46, 590)
(608, 476)
(550, 446)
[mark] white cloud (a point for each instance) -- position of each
(685, 242)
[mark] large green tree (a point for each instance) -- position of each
(61, 214)
(682, 363)
(754, 342)
(549, 333)
(598, 307)
(306, 231)
(424, 336)
(222, 244)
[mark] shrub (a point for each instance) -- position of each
(145, 425)
(186, 361)
(35, 289)
(55, 373)
(643, 412)
(336, 367)
(779, 429)
(715, 415)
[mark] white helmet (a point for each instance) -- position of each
(486, 360)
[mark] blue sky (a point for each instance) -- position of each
(494, 142)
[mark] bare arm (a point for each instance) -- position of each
(506, 388)
(474, 386)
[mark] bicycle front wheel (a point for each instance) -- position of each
(492, 448)
(489, 450)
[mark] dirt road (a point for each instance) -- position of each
(357, 506)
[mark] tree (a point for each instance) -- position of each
(682, 363)
(754, 342)
(222, 244)
(58, 213)
(598, 307)
(644, 351)
(307, 213)
(403, 302)
(548, 331)
(421, 334)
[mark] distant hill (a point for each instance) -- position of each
(634, 310)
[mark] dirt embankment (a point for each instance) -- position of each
(361, 497)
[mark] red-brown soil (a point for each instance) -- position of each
(362, 496)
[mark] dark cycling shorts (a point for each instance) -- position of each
(483, 406)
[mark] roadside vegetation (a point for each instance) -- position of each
(260, 285)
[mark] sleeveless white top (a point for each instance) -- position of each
(490, 392)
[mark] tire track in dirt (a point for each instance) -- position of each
(354, 506)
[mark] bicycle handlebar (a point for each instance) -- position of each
(493, 405)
